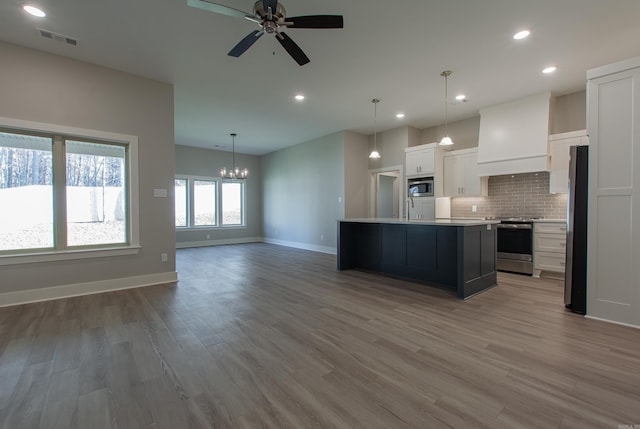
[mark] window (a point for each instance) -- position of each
(181, 202)
(208, 202)
(60, 193)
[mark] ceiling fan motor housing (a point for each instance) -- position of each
(278, 16)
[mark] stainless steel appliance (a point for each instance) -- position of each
(575, 275)
(420, 187)
(515, 245)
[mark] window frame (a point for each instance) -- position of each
(190, 203)
(132, 226)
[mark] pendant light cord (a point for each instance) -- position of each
(446, 75)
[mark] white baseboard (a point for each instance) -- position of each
(188, 244)
(612, 321)
(305, 246)
(67, 291)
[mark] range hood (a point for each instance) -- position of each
(514, 136)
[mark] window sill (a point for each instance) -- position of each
(68, 255)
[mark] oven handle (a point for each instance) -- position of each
(514, 226)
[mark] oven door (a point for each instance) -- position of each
(515, 247)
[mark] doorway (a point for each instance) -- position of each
(386, 192)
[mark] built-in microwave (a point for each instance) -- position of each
(420, 187)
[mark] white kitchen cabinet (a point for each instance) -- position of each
(613, 123)
(559, 145)
(420, 161)
(461, 177)
(424, 208)
(549, 247)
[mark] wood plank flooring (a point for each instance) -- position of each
(262, 336)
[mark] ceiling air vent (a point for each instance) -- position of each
(58, 37)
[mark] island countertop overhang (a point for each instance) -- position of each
(438, 222)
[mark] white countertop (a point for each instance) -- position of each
(438, 222)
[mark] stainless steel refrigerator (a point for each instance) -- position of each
(575, 278)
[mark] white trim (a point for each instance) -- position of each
(206, 243)
(568, 135)
(305, 246)
(608, 69)
(373, 188)
(67, 255)
(78, 289)
(612, 321)
(133, 191)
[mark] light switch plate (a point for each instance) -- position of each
(160, 193)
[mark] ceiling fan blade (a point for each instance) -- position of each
(293, 49)
(245, 43)
(220, 9)
(316, 21)
(273, 4)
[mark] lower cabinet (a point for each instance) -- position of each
(549, 248)
(422, 208)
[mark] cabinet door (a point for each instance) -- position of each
(471, 181)
(427, 162)
(413, 163)
(452, 174)
(421, 162)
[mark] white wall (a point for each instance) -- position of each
(45, 88)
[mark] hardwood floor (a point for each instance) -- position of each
(259, 335)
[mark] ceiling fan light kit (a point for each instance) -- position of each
(271, 16)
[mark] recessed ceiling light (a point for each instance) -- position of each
(549, 69)
(299, 97)
(460, 97)
(400, 115)
(521, 34)
(34, 11)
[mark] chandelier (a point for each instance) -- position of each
(234, 172)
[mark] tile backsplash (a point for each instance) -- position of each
(514, 195)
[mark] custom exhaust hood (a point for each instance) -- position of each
(514, 136)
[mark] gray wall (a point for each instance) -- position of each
(570, 113)
(356, 183)
(391, 145)
(303, 192)
(204, 162)
(46, 88)
(464, 133)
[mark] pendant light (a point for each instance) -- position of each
(446, 140)
(234, 172)
(374, 153)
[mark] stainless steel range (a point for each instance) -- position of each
(515, 245)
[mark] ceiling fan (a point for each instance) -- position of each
(271, 16)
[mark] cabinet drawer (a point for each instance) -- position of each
(551, 242)
(551, 228)
(548, 261)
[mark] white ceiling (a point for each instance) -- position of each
(392, 50)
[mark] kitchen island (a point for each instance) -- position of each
(455, 254)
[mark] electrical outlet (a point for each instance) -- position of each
(208, 236)
(321, 237)
(474, 208)
(163, 257)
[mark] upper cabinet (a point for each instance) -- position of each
(461, 178)
(420, 161)
(559, 145)
(425, 161)
(514, 136)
